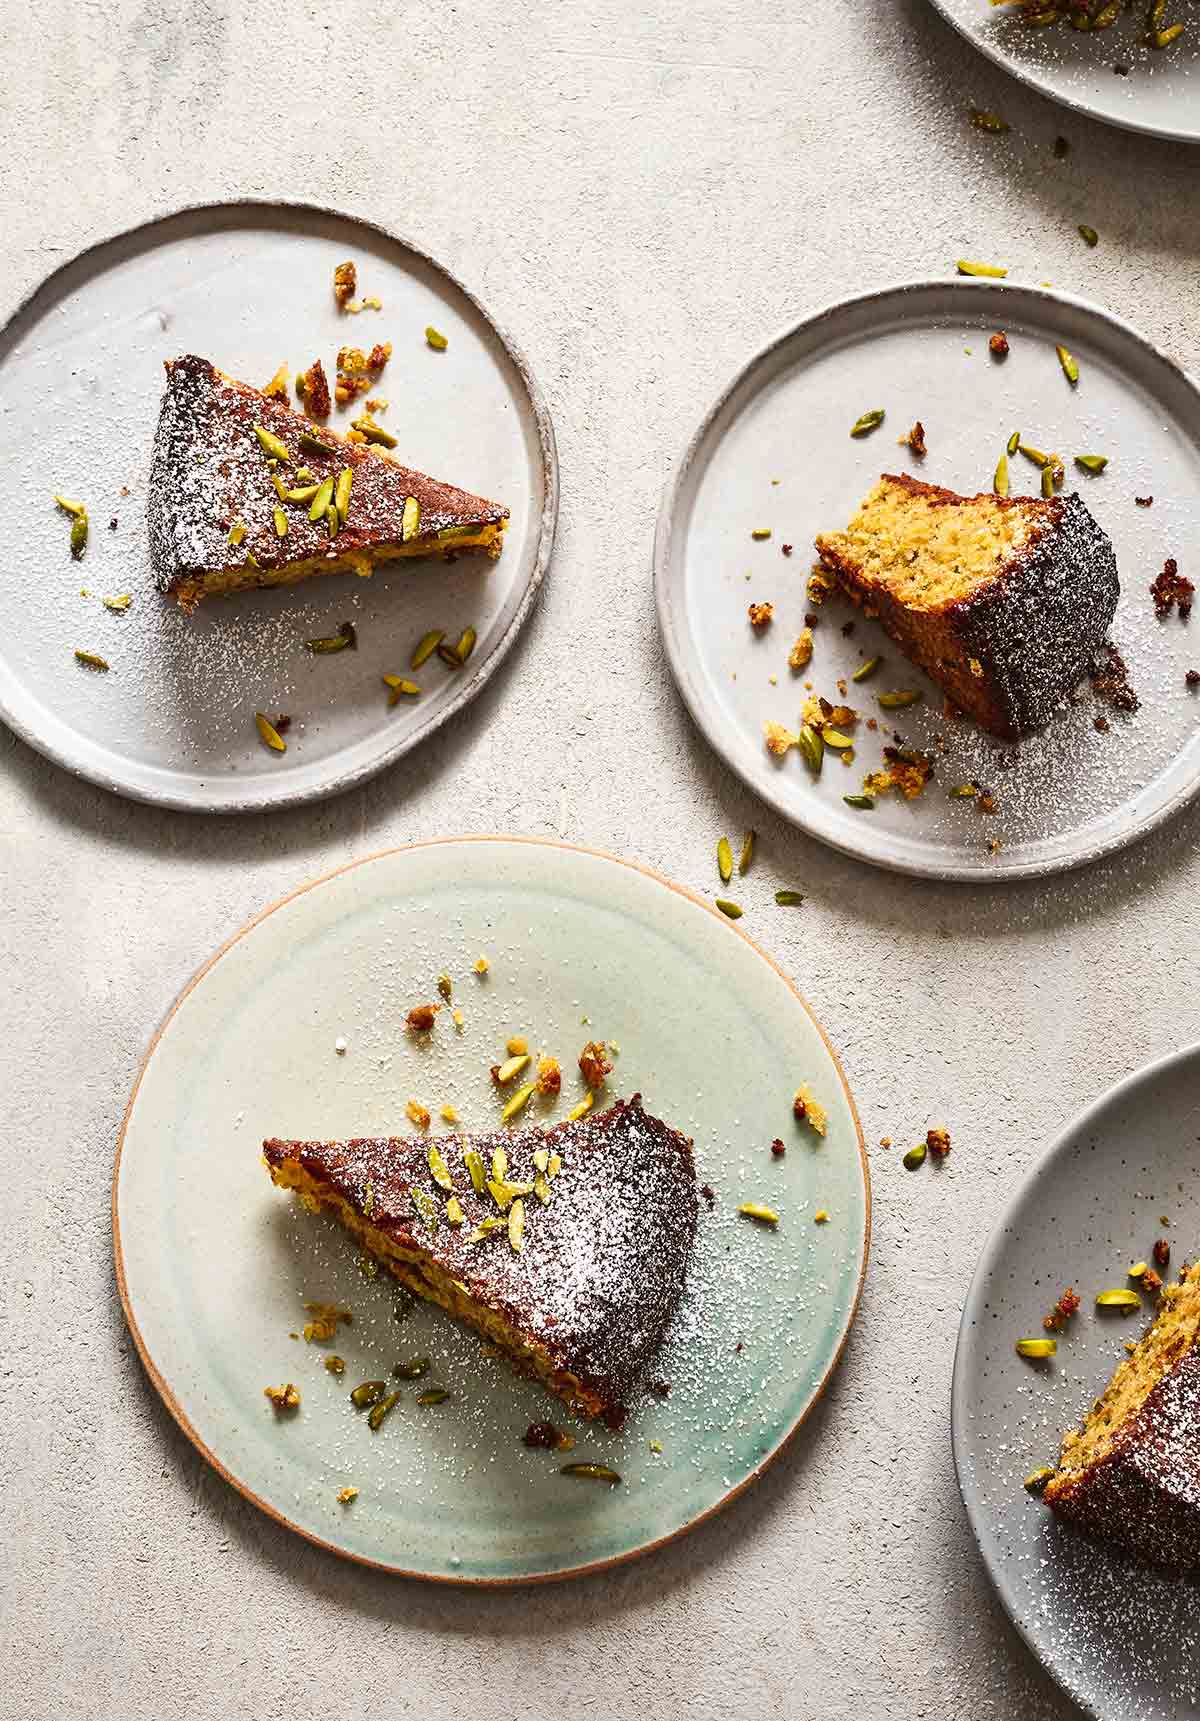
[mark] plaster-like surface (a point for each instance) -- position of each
(641, 198)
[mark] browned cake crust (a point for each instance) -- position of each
(585, 1303)
(1144, 1493)
(1008, 654)
(209, 471)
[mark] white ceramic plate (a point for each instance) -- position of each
(1159, 92)
(1123, 1640)
(775, 452)
(248, 285)
(215, 1264)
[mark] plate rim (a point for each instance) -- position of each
(668, 607)
(342, 781)
(469, 1582)
(1083, 1120)
(1045, 89)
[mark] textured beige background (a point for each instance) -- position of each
(640, 199)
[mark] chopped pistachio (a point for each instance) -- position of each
(901, 697)
(341, 492)
(1036, 1347)
(789, 898)
(812, 747)
(518, 1102)
(866, 670)
(730, 910)
(554, 1164)
(1014, 442)
(965, 266)
(511, 1067)
(466, 644)
(1069, 365)
(862, 803)
(747, 854)
(1037, 1479)
(434, 1395)
(474, 1166)
(725, 860)
(755, 1210)
(268, 733)
(1000, 476)
(915, 1157)
(1092, 463)
(437, 341)
(516, 1225)
(592, 1473)
(454, 1212)
(439, 1170)
(382, 1411)
(91, 660)
(401, 688)
(410, 525)
(869, 421)
(413, 1370)
(368, 1392)
(760, 533)
(1089, 236)
(237, 532)
(344, 639)
(321, 501)
(270, 444)
(582, 1109)
(1119, 1299)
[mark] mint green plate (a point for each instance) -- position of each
(215, 1264)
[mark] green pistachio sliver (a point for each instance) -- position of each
(281, 489)
(341, 492)
(373, 432)
(368, 1392)
(486, 1227)
(730, 910)
(475, 1169)
(466, 644)
(834, 738)
(281, 522)
(268, 733)
(433, 1395)
(812, 747)
(436, 340)
(1089, 236)
(516, 1226)
(592, 1473)
(313, 444)
(553, 1166)
(321, 501)
(426, 647)
(915, 1157)
(401, 688)
(77, 510)
(118, 605)
(333, 520)
(454, 1211)
(270, 444)
(747, 854)
(1093, 463)
(1164, 38)
(1000, 476)
(541, 1188)
(425, 1206)
(499, 1164)
(382, 1411)
(789, 898)
(863, 803)
(962, 792)
(1036, 1347)
(1034, 454)
(1047, 481)
(413, 1370)
(1036, 1480)
(1119, 1299)
(236, 533)
(866, 670)
(541, 1158)
(518, 1102)
(756, 1210)
(504, 1074)
(901, 697)
(760, 534)
(90, 660)
(983, 119)
(439, 1169)
(725, 860)
(305, 493)
(868, 422)
(1069, 365)
(449, 654)
(410, 521)
(966, 266)
(1014, 442)
(344, 639)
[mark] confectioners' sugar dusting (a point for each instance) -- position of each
(209, 471)
(604, 1259)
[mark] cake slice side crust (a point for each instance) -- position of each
(211, 480)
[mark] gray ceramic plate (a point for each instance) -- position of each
(1124, 1641)
(248, 285)
(215, 1264)
(775, 453)
(1159, 92)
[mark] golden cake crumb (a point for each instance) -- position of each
(283, 1398)
(801, 652)
(809, 1109)
(417, 1113)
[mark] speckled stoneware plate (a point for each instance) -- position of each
(248, 285)
(775, 454)
(1123, 1640)
(1113, 75)
(215, 1264)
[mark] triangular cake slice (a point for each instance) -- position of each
(1130, 1474)
(566, 1247)
(227, 511)
(1004, 600)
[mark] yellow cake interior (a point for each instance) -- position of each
(1175, 1332)
(924, 552)
(425, 1278)
(246, 576)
